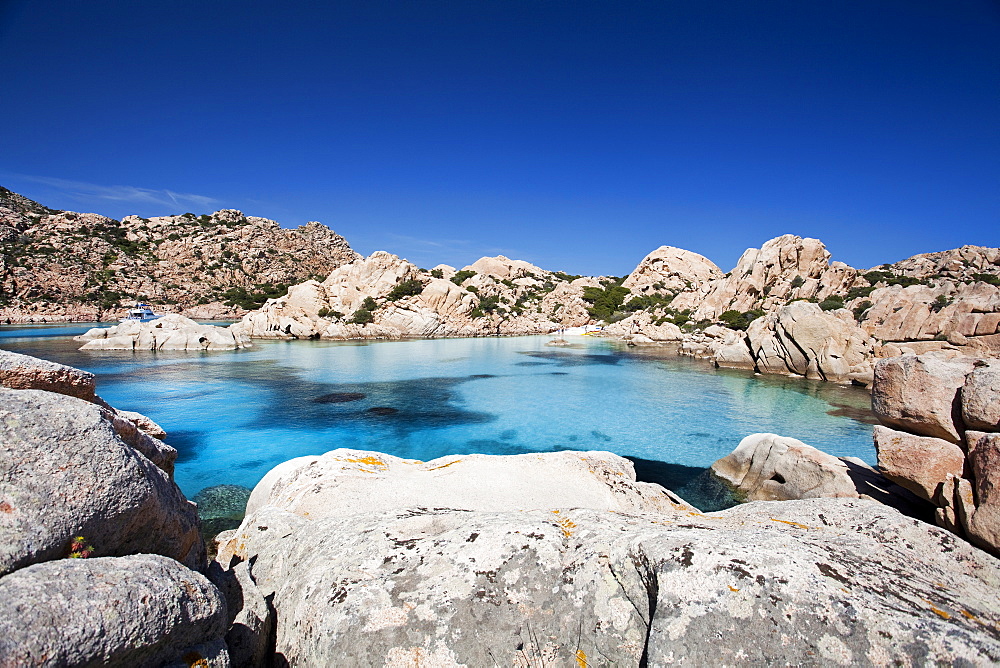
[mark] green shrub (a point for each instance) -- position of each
(605, 301)
(860, 308)
(832, 303)
(437, 273)
(323, 312)
(798, 282)
(940, 302)
(992, 279)
(173, 236)
(856, 292)
(462, 276)
(405, 289)
(362, 317)
(735, 320)
(562, 276)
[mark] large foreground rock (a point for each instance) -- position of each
(821, 581)
(68, 472)
(342, 481)
(141, 610)
(22, 372)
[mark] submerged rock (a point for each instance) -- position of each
(221, 507)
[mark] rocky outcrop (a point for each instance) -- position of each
(926, 445)
(140, 610)
(963, 314)
(559, 584)
(99, 550)
(671, 269)
(960, 264)
(170, 332)
(787, 267)
(802, 339)
(71, 474)
(61, 265)
(768, 467)
(383, 296)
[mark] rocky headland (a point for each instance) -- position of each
(360, 558)
(84, 267)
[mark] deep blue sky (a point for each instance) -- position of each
(577, 135)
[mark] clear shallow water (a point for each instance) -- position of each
(233, 415)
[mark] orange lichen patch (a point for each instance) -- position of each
(444, 466)
(581, 658)
(969, 615)
(794, 524)
(195, 660)
(369, 460)
(937, 611)
(6, 507)
(567, 526)
(732, 588)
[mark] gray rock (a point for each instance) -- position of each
(820, 581)
(251, 620)
(140, 610)
(68, 472)
(981, 399)
(768, 467)
(920, 394)
(22, 372)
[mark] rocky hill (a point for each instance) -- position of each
(61, 265)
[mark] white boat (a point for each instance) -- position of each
(141, 313)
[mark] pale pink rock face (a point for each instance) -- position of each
(984, 525)
(21, 372)
(981, 398)
(921, 394)
(669, 268)
(921, 464)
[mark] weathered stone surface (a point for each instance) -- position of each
(804, 340)
(825, 581)
(671, 269)
(143, 423)
(170, 332)
(920, 394)
(768, 467)
(69, 473)
(921, 464)
(251, 621)
(341, 481)
(984, 525)
(140, 610)
(22, 372)
(981, 398)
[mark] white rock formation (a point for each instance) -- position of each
(170, 332)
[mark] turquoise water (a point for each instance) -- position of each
(233, 415)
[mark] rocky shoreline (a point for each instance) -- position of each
(359, 558)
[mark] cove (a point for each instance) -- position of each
(233, 415)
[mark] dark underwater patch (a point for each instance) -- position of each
(339, 398)
(694, 484)
(186, 442)
(382, 410)
(570, 359)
